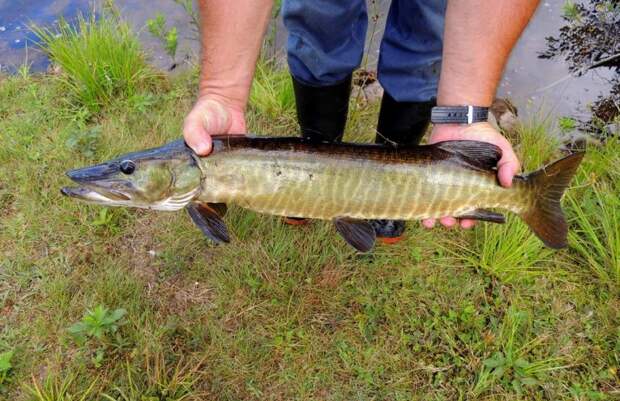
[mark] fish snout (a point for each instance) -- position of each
(93, 173)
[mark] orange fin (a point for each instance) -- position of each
(209, 221)
(358, 233)
(545, 217)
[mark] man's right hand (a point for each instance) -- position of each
(211, 116)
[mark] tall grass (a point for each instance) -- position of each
(595, 214)
(535, 145)
(596, 232)
(509, 251)
(272, 93)
(101, 60)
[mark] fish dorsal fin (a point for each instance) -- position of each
(358, 233)
(209, 221)
(474, 154)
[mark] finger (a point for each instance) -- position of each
(467, 223)
(507, 167)
(428, 223)
(196, 136)
(448, 221)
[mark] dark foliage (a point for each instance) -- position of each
(591, 39)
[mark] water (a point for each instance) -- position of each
(18, 44)
(525, 80)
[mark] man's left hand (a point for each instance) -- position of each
(507, 166)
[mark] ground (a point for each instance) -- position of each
(284, 312)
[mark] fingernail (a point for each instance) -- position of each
(201, 149)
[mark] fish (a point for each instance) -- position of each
(346, 183)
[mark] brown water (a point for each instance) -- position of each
(526, 79)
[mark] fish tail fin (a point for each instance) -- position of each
(545, 216)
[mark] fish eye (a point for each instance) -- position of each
(127, 166)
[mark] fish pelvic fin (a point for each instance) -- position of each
(357, 233)
(209, 220)
(545, 217)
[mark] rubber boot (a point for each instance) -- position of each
(322, 110)
(322, 115)
(400, 123)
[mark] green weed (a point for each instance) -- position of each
(570, 10)
(98, 323)
(100, 59)
(188, 7)
(168, 37)
(567, 124)
(5, 366)
(102, 325)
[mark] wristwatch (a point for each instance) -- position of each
(459, 114)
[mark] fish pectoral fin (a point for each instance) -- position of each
(209, 221)
(220, 208)
(357, 233)
(473, 154)
(484, 215)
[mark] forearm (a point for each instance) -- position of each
(231, 37)
(478, 39)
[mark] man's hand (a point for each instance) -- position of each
(231, 35)
(507, 166)
(210, 116)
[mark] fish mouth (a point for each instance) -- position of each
(97, 186)
(95, 195)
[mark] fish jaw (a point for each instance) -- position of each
(89, 195)
(98, 197)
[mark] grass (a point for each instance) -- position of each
(281, 312)
(507, 251)
(272, 93)
(101, 59)
(596, 237)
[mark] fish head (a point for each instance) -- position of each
(164, 178)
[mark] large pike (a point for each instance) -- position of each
(345, 183)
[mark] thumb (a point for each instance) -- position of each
(207, 118)
(196, 136)
(507, 167)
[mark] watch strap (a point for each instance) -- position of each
(459, 114)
